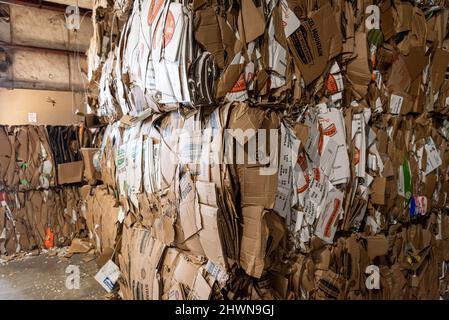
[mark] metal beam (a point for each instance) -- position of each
(39, 86)
(45, 5)
(13, 46)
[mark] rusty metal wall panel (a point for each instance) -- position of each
(45, 28)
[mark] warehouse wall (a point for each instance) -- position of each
(16, 104)
(58, 63)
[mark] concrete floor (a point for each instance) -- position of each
(43, 277)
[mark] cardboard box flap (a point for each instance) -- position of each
(315, 42)
(245, 121)
(252, 21)
(208, 34)
(189, 212)
(440, 62)
(257, 188)
(377, 246)
(210, 235)
(146, 256)
(254, 241)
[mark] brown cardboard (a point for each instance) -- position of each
(377, 246)
(5, 155)
(78, 246)
(209, 235)
(185, 272)
(378, 190)
(90, 173)
(386, 19)
(254, 238)
(438, 67)
(229, 40)
(403, 16)
(317, 40)
(280, 284)
(164, 222)
(92, 121)
(176, 292)
(207, 193)
(71, 172)
(243, 117)
(253, 22)
(415, 61)
(399, 78)
(257, 189)
(146, 254)
(230, 77)
(102, 218)
(189, 213)
(358, 71)
(302, 132)
(330, 283)
(36, 211)
(277, 231)
(168, 265)
(208, 34)
(201, 289)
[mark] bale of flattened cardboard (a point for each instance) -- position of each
(28, 219)
(279, 149)
(26, 158)
(259, 194)
(40, 157)
(188, 216)
(275, 53)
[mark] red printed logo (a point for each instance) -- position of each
(304, 187)
(302, 161)
(316, 172)
(331, 84)
(327, 230)
(154, 9)
(320, 144)
(356, 156)
(330, 130)
(240, 85)
(168, 31)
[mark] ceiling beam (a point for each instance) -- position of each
(12, 46)
(18, 84)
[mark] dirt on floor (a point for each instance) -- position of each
(47, 276)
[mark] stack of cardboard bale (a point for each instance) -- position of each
(265, 149)
(39, 209)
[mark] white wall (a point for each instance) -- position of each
(16, 104)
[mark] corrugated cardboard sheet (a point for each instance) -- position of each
(34, 207)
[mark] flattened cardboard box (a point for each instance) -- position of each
(70, 172)
(316, 41)
(90, 172)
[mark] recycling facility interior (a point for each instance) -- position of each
(224, 149)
